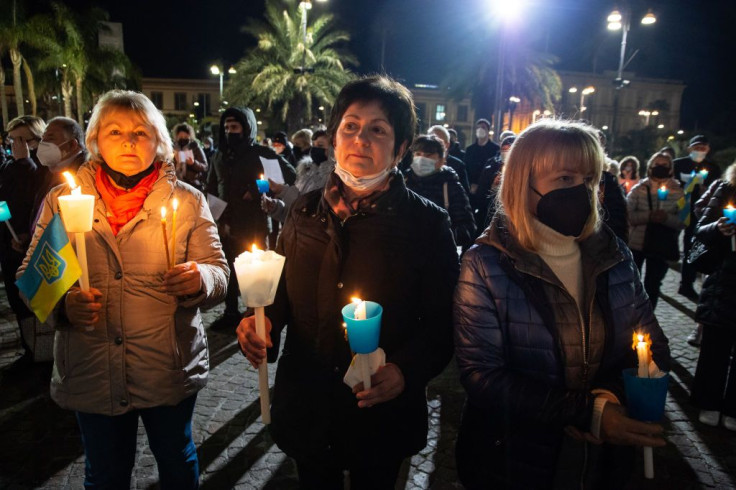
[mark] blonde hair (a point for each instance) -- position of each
(142, 107)
(730, 174)
(34, 124)
(661, 154)
(541, 148)
(302, 138)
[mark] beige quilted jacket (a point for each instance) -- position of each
(149, 348)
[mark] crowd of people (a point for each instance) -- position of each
(522, 257)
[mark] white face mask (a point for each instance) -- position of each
(360, 184)
(695, 156)
(49, 154)
(481, 133)
(423, 166)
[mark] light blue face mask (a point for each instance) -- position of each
(364, 183)
(423, 166)
(697, 156)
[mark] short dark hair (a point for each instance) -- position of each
(183, 128)
(395, 100)
(483, 121)
(428, 143)
(318, 133)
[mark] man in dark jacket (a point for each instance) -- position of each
(453, 162)
(697, 160)
(235, 168)
(477, 156)
(455, 149)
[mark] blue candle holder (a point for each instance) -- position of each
(363, 335)
(645, 396)
(662, 193)
(729, 213)
(704, 174)
(262, 186)
(4, 211)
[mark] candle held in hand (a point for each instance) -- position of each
(359, 308)
(166, 238)
(262, 185)
(175, 206)
(643, 354)
(662, 193)
(77, 211)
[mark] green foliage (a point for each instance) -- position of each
(269, 74)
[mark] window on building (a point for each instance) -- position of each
(462, 113)
(180, 101)
(439, 112)
(158, 99)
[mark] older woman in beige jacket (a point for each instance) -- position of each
(134, 344)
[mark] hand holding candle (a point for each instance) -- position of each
(363, 322)
(258, 275)
(77, 211)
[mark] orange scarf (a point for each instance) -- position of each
(123, 205)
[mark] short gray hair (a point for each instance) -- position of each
(143, 107)
(442, 131)
(71, 128)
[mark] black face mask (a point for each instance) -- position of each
(234, 138)
(126, 181)
(318, 154)
(183, 142)
(660, 172)
(565, 210)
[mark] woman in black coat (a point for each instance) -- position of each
(363, 235)
(715, 308)
(431, 178)
(545, 309)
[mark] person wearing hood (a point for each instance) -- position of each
(19, 179)
(312, 172)
(133, 346)
(432, 179)
(190, 160)
(545, 308)
(282, 146)
(697, 160)
(235, 168)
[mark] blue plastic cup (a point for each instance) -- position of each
(262, 186)
(363, 335)
(646, 396)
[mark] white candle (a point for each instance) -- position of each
(166, 238)
(258, 275)
(77, 211)
(361, 360)
(642, 353)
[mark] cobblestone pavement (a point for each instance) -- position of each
(41, 446)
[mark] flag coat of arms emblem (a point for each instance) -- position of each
(51, 271)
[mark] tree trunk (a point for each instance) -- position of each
(66, 93)
(80, 102)
(3, 100)
(31, 86)
(15, 58)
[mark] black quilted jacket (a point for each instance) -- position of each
(511, 363)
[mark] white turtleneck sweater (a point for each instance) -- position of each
(562, 254)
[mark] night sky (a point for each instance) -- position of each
(692, 40)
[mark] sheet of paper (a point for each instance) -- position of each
(272, 170)
(217, 206)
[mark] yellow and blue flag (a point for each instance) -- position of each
(683, 204)
(52, 270)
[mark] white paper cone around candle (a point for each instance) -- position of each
(77, 211)
(258, 275)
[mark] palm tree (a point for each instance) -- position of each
(527, 73)
(286, 74)
(3, 100)
(77, 55)
(15, 32)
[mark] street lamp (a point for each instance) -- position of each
(646, 114)
(305, 6)
(218, 71)
(622, 20)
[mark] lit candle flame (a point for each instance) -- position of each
(637, 338)
(70, 179)
(254, 249)
(355, 300)
(261, 177)
(730, 206)
(163, 212)
(663, 188)
(175, 204)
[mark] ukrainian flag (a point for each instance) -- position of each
(52, 270)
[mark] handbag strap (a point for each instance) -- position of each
(649, 196)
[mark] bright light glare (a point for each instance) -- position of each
(614, 17)
(614, 26)
(514, 99)
(604, 128)
(680, 131)
(573, 90)
(649, 18)
(588, 90)
(215, 70)
(661, 126)
(507, 11)
(232, 71)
